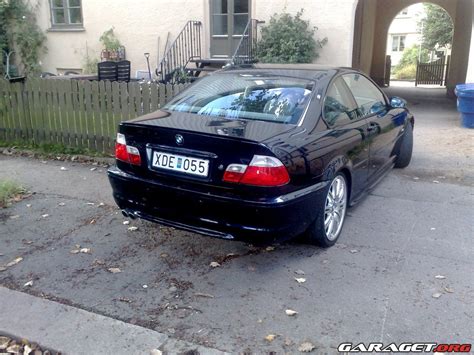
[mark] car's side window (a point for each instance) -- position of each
(338, 108)
(369, 98)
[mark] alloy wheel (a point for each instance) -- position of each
(335, 208)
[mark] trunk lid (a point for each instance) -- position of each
(218, 140)
(252, 130)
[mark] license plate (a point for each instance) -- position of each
(180, 163)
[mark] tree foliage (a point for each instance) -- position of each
(289, 39)
(412, 55)
(438, 27)
(20, 32)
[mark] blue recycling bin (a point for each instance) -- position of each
(465, 94)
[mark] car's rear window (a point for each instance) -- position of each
(246, 96)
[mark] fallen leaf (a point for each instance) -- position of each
(306, 347)
(27, 350)
(164, 255)
(290, 312)
(299, 272)
(288, 342)
(132, 229)
(92, 221)
(29, 283)
(206, 295)
(93, 169)
(436, 295)
(28, 205)
(353, 251)
(101, 204)
(63, 168)
(126, 222)
(14, 261)
(85, 250)
(14, 349)
(270, 248)
(440, 277)
(114, 270)
(45, 215)
(4, 342)
(300, 280)
(270, 337)
(15, 216)
(449, 290)
(214, 264)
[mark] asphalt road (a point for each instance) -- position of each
(376, 284)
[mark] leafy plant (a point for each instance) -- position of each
(19, 30)
(9, 190)
(289, 39)
(438, 27)
(407, 72)
(406, 67)
(90, 65)
(110, 41)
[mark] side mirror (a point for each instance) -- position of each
(398, 102)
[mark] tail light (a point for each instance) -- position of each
(262, 171)
(125, 152)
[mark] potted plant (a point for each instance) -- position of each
(111, 45)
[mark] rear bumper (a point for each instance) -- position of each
(223, 217)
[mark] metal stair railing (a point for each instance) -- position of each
(247, 49)
(186, 47)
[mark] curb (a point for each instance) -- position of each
(72, 330)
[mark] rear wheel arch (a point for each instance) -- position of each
(348, 175)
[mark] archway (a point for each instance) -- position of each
(419, 44)
(371, 25)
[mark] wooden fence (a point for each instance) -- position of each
(75, 113)
(434, 73)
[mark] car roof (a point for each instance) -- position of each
(300, 71)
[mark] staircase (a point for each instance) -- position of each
(183, 61)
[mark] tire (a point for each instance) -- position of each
(405, 149)
(320, 231)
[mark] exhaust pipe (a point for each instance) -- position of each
(129, 214)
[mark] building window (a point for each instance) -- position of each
(398, 43)
(66, 13)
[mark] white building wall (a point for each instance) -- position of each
(405, 25)
(334, 20)
(470, 68)
(138, 25)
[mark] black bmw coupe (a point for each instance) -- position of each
(262, 152)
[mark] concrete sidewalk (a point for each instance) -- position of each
(72, 330)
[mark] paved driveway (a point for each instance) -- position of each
(376, 284)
